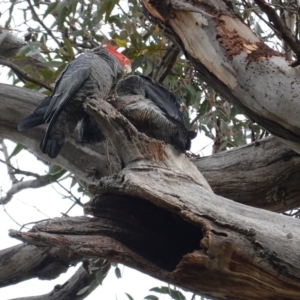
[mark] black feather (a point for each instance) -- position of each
(89, 132)
(36, 118)
(92, 74)
(52, 147)
(166, 103)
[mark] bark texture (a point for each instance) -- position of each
(23, 262)
(79, 286)
(234, 61)
(264, 174)
(228, 243)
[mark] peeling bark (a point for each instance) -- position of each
(252, 252)
(235, 62)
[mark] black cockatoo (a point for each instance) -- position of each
(155, 111)
(92, 74)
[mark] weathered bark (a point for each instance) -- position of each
(15, 104)
(23, 262)
(235, 62)
(232, 250)
(264, 174)
(78, 286)
(232, 244)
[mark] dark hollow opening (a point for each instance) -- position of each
(154, 233)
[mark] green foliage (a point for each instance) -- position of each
(129, 296)
(118, 272)
(66, 28)
(55, 172)
(173, 293)
(76, 25)
(18, 148)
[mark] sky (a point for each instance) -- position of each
(48, 202)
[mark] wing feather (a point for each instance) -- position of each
(68, 83)
(164, 99)
(36, 118)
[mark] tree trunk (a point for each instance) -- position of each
(234, 61)
(159, 215)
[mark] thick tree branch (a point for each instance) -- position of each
(227, 242)
(23, 262)
(27, 184)
(276, 166)
(79, 286)
(264, 174)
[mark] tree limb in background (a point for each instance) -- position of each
(25, 75)
(19, 185)
(282, 28)
(79, 286)
(10, 46)
(22, 262)
(28, 184)
(36, 17)
(166, 64)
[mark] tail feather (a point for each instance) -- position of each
(36, 118)
(50, 146)
(30, 122)
(192, 134)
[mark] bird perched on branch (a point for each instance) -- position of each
(155, 111)
(92, 75)
(37, 117)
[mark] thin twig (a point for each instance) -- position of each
(167, 62)
(35, 222)
(36, 17)
(283, 29)
(170, 65)
(10, 170)
(10, 216)
(20, 172)
(24, 74)
(195, 119)
(77, 200)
